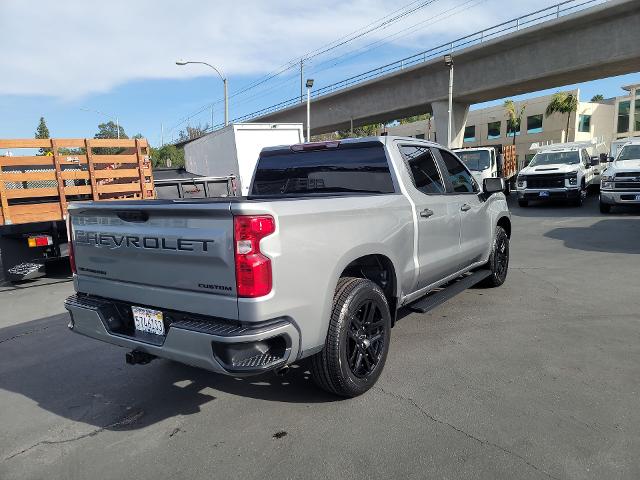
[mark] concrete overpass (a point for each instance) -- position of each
(594, 43)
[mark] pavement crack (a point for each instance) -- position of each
(128, 420)
(481, 441)
(24, 334)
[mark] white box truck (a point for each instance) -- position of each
(234, 150)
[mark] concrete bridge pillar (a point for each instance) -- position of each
(441, 118)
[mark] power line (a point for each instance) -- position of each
(382, 22)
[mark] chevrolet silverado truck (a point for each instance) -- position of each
(557, 172)
(315, 262)
(620, 182)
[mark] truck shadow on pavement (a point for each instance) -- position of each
(87, 381)
(625, 233)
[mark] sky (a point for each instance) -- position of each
(82, 62)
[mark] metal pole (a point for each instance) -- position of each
(161, 135)
(301, 80)
(226, 103)
(308, 114)
(118, 128)
(450, 123)
(351, 119)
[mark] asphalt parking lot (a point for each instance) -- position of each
(537, 379)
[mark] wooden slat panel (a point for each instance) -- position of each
(140, 158)
(94, 185)
(32, 192)
(35, 208)
(75, 174)
(56, 162)
(124, 158)
(70, 142)
(113, 142)
(25, 143)
(4, 204)
(28, 176)
(79, 190)
(51, 216)
(117, 173)
(26, 161)
(119, 187)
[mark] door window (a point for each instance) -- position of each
(423, 169)
(461, 180)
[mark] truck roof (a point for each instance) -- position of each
(382, 139)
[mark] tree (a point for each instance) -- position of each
(109, 130)
(167, 156)
(415, 118)
(514, 117)
(42, 132)
(597, 98)
(191, 133)
(564, 103)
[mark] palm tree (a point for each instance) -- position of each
(564, 103)
(597, 98)
(514, 117)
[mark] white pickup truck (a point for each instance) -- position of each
(557, 172)
(332, 240)
(620, 182)
(488, 162)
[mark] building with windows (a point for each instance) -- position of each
(627, 113)
(488, 126)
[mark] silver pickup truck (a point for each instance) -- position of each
(333, 239)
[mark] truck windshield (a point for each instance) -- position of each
(555, 158)
(475, 160)
(630, 152)
(349, 168)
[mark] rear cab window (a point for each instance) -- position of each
(349, 168)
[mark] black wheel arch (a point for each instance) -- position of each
(380, 270)
(505, 223)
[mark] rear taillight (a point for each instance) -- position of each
(72, 257)
(39, 241)
(253, 269)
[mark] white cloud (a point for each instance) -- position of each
(72, 48)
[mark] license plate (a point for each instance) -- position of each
(637, 198)
(544, 194)
(147, 320)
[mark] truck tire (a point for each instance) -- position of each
(357, 342)
(523, 203)
(605, 208)
(498, 260)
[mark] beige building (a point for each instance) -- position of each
(627, 113)
(488, 126)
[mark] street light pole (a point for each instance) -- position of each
(309, 85)
(448, 59)
(224, 81)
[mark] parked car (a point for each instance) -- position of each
(620, 183)
(557, 172)
(333, 239)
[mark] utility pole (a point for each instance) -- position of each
(309, 85)
(161, 135)
(301, 80)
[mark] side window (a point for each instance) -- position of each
(586, 159)
(422, 166)
(460, 178)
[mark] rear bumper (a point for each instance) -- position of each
(619, 197)
(557, 194)
(230, 348)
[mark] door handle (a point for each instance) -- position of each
(426, 213)
(466, 207)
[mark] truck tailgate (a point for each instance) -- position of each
(170, 254)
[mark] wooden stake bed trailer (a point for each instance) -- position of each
(35, 191)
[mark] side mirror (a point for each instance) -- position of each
(493, 185)
(595, 161)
